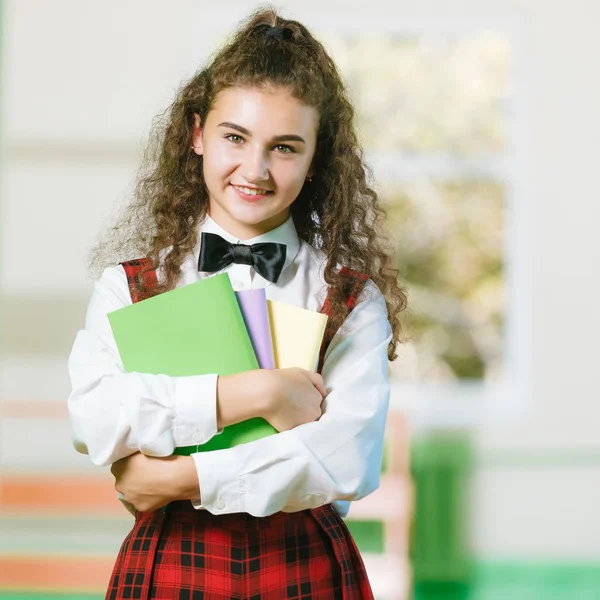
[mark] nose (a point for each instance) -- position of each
(256, 166)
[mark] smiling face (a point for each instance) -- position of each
(258, 146)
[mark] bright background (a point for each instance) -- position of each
(479, 118)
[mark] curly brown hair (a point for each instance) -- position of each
(337, 212)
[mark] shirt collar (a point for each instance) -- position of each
(284, 234)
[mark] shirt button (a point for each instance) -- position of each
(237, 285)
(220, 504)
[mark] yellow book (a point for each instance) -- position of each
(297, 335)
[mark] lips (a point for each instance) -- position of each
(251, 194)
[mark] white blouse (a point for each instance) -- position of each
(336, 459)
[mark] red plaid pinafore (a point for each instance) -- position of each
(188, 554)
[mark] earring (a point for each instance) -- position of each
(309, 179)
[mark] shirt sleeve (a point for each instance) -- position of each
(333, 460)
(114, 414)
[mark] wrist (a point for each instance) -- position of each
(184, 479)
(261, 393)
(242, 396)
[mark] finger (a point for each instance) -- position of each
(321, 388)
(314, 378)
(318, 382)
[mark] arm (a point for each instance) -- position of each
(335, 458)
(114, 414)
(287, 398)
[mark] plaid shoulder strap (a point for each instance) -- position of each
(141, 278)
(353, 286)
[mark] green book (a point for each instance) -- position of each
(196, 329)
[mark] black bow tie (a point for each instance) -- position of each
(267, 258)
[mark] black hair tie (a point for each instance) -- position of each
(281, 33)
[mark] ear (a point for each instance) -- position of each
(197, 144)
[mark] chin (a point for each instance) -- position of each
(248, 215)
(253, 215)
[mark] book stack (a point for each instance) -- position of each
(205, 328)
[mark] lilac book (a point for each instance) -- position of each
(253, 304)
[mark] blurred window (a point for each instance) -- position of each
(435, 112)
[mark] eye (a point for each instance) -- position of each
(234, 138)
(284, 149)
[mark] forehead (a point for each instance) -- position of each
(269, 111)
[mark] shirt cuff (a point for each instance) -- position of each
(195, 409)
(220, 487)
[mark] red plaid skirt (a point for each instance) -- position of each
(188, 554)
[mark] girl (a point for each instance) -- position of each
(258, 148)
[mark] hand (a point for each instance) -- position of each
(295, 398)
(149, 483)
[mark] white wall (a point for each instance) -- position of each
(82, 80)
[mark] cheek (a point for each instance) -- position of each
(218, 163)
(291, 176)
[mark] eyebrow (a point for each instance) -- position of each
(288, 137)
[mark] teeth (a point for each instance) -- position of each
(250, 191)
